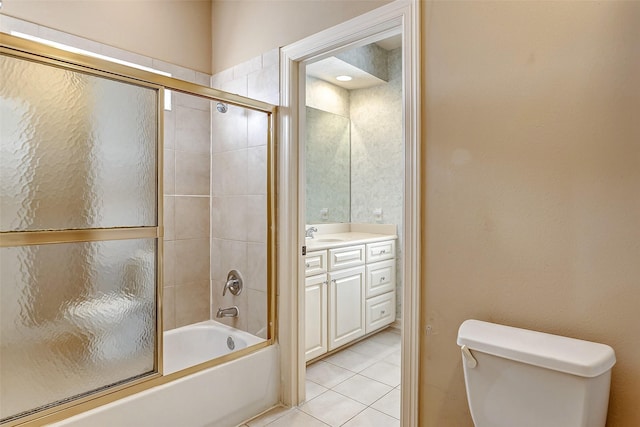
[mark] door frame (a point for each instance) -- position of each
(400, 15)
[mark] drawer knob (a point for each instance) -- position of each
(382, 251)
(307, 265)
(382, 279)
(382, 311)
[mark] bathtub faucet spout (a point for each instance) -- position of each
(228, 312)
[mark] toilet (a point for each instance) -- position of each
(521, 378)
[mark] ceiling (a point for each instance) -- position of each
(329, 68)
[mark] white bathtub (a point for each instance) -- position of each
(222, 396)
(194, 344)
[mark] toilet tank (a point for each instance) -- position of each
(518, 377)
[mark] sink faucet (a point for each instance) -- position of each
(309, 232)
(228, 312)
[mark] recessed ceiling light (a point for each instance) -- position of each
(344, 78)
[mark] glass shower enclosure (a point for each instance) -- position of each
(83, 250)
(80, 240)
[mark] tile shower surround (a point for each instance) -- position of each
(187, 201)
(238, 188)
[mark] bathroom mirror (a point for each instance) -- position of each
(354, 146)
(328, 175)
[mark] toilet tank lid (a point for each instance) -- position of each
(570, 355)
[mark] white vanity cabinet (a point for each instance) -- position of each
(349, 292)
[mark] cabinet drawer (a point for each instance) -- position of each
(315, 263)
(381, 278)
(381, 250)
(380, 311)
(351, 256)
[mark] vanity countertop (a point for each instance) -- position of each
(337, 240)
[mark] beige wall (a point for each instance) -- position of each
(532, 133)
(175, 31)
(244, 29)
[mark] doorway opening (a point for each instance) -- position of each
(399, 228)
(352, 173)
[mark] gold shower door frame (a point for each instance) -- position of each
(33, 51)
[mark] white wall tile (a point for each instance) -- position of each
(176, 71)
(227, 255)
(203, 79)
(229, 172)
(258, 124)
(256, 218)
(257, 170)
(270, 58)
(229, 130)
(193, 130)
(124, 55)
(263, 85)
(222, 77)
(69, 39)
(8, 24)
(191, 101)
(229, 217)
(247, 67)
(236, 86)
(256, 273)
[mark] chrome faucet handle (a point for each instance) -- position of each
(309, 232)
(233, 284)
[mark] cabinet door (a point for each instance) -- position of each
(315, 316)
(381, 311)
(346, 306)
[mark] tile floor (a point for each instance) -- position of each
(357, 387)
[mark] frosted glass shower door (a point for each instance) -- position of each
(79, 235)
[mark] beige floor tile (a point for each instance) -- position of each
(326, 374)
(372, 349)
(372, 418)
(313, 390)
(386, 337)
(350, 360)
(384, 372)
(389, 404)
(394, 358)
(297, 418)
(362, 389)
(332, 408)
